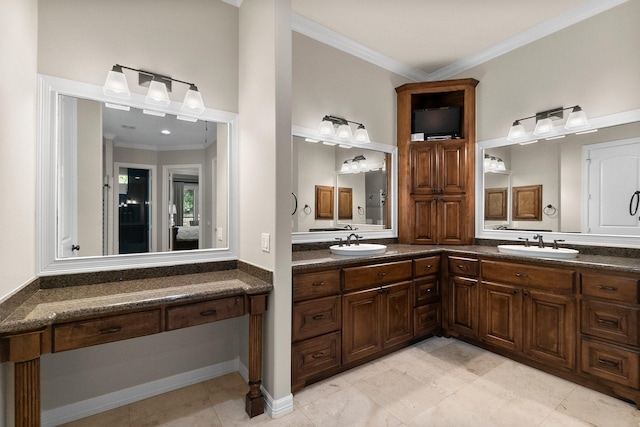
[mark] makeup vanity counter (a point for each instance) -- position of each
(576, 318)
(61, 318)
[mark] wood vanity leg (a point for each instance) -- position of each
(24, 350)
(254, 399)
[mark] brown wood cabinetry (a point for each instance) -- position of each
(436, 178)
(426, 287)
(529, 309)
(463, 296)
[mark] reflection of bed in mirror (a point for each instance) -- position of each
(184, 238)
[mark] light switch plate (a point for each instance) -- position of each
(219, 234)
(265, 242)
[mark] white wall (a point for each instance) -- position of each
(594, 63)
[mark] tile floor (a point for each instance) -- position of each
(438, 382)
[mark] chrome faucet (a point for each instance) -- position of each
(539, 238)
(526, 241)
(349, 239)
(348, 227)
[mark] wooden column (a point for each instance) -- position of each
(254, 399)
(24, 350)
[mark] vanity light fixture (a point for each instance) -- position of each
(343, 131)
(493, 164)
(158, 93)
(360, 164)
(577, 121)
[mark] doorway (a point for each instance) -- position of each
(134, 209)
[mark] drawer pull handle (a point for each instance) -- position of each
(607, 322)
(318, 355)
(607, 288)
(522, 276)
(111, 330)
(428, 267)
(462, 266)
(382, 273)
(609, 363)
(318, 317)
(317, 284)
(208, 313)
(429, 318)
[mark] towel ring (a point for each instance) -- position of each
(634, 210)
(307, 209)
(295, 206)
(549, 210)
(360, 210)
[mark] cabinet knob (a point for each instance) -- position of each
(525, 293)
(382, 274)
(515, 292)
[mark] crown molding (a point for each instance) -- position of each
(329, 37)
(336, 40)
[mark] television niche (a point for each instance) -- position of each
(436, 123)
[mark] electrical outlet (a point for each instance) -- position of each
(219, 234)
(265, 242)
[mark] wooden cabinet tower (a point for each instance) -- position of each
(436, 177)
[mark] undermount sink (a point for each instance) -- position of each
(361, 249)
(537, 252)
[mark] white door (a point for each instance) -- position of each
(67, 178)
(613, 177)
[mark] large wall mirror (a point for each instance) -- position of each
(587, 184)
(129, 186)
(341, 188)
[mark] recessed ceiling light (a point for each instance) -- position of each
(165, 132)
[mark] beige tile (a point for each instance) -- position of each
(118, 417)
(599, 409)
(559, 419)
(520, 412)
(319, 390)
(482, 397)
(449, 413)
(232, 413)
(400, 394)
(363, 372)
(460, 354)
(225, 382)
(433, 343)
(349, 408)
(198, 413)
(148, 407)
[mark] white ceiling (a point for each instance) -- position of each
(434, 39)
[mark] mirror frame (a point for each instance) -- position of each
(570, 238)
(47, 263)
(329, 236)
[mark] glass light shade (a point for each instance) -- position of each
(494, 163)
(157, 94)
(354, 166)
(577, 119)
(345, 167)
(344, 132)
(326, 128)
(361, 135)
(516, 132)
(116, 84)
(501, 165)
(486, 163)
(543, 127)
(192, 101)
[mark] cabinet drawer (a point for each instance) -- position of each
(105, 329)
(611, 287)
(204, 312)
(426, 266)
(612, 321)
(610, 362)
(313, 285)
(376, 275)
(459, 266)
(317, 317)
(527, 275)
(426, 319)
(315, 355)
(427, 289)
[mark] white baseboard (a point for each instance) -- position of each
(277, 408)
(96, 405)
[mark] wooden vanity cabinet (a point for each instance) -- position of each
(426, 287)
(609, 340)
(316, 326)
(379, 316)
(436, 178)
(530, 310)
(462, 296)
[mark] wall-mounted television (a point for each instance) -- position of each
(437, 122)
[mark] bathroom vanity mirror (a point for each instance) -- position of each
(128, 186)
(577, 203)
(363, 180)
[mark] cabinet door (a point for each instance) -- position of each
(397, 313)
(463, 308)
(452, 220)
(423, 167)
(452, 167)
(424, 220)
(361, 331)
(549, 322)
(501, 315)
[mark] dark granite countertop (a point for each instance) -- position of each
(47, 306)
(323, 258)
